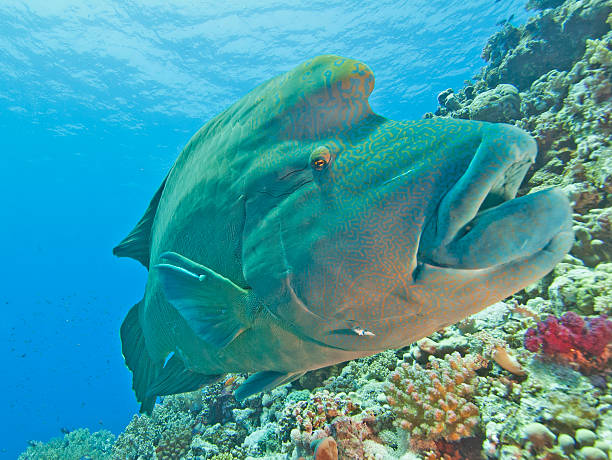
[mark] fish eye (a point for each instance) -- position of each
(320, 158)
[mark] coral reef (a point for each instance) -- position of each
(76, 445)
(546, 394)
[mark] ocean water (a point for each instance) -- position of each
(96, 101)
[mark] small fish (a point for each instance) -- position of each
(299, 229)
(230, 381)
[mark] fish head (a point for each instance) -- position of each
(363, 233)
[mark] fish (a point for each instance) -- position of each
(299, 229)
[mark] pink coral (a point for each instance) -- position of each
(571, 338)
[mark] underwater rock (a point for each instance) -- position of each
(546, 93)
(592, 230)
(538, 50)
(593, 453)
(501, 104)
(566, 443)
(539, 435)
(584, 290)
(585, 437)
(449, 100)
(500, 44)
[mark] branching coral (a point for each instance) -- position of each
(434, 403)
(571, 339)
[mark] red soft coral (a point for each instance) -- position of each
(572, 339)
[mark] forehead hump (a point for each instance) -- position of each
(328, 94)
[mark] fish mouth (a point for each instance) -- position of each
(479, 222)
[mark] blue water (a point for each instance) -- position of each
(97, 99)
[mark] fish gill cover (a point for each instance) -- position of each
(488, 386)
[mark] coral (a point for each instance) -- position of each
(546, 93)
(324, 414)
(539, 435)
(228, 437)
(223, 456)
(144, 433)
(571, 339)
(566, 413)
(537, 51)
(262, 440)
(322, 407)
(592, 230)
(593, 453)
(434, 403)
(501, 104)
(173, 446)
(581, 289)
(599, 53)
(351, 433)
(360, 371)
(76, 445)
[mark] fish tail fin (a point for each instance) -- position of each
(137, 359)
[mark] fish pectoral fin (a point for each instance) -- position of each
(176, 378)
(263, 381)
(213, 306)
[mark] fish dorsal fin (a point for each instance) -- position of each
(137, 244)
(213, 306)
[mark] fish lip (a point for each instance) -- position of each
(491, 178)
(505, 233)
